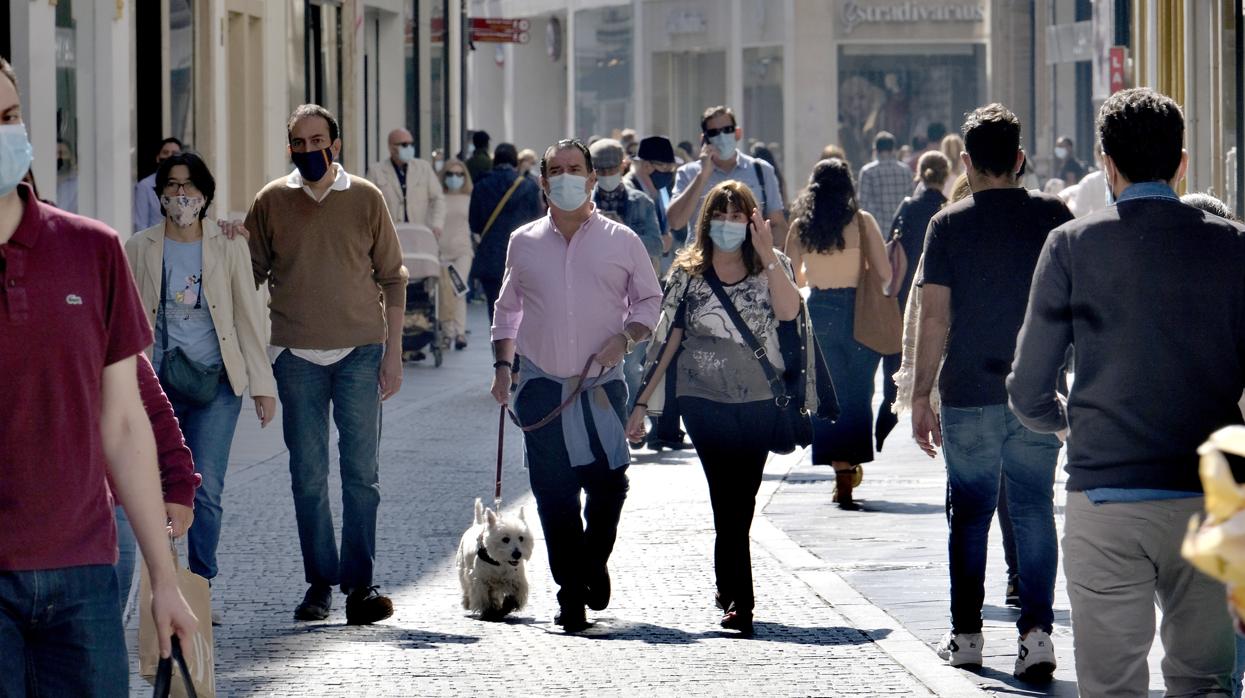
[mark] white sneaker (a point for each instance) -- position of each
(962, 649)
(1035, 657)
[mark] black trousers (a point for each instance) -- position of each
(579, 542)
(732, 441)
(492, 289)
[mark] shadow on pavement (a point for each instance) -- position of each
(778, 632)
(913, 508)
(401, 637)
(1016, 687)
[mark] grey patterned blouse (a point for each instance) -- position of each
(716, 363)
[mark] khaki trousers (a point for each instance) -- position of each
(452, 309)
(1122, 558)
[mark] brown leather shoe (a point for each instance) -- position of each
(844, 480)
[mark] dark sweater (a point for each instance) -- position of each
(1151, 294)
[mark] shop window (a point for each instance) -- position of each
(762, 116)
(182, 70)
(322, 53)
(903, 90)
(66, 107)
(603, 64)
(684, 83)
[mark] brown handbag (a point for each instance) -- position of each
(879, 322)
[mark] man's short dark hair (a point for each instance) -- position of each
(506, 154)
(884, 142)
(934, 132)
(7, 71)
(717, 111)
(480, 140)
(564, 144)
(992, 139)
(305, 110)
(174, 141)
(1143, 132)
(200, 176)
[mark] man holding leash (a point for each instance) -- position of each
(578, 292)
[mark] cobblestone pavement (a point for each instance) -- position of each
(815, 635)
(895, 553)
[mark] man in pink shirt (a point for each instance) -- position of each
(577, 287)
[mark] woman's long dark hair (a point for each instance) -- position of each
(825, 207)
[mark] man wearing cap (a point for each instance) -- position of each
(631, 207)
(653, 174)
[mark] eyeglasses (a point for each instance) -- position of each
(182, 188)
(711, 132)
(404, 145)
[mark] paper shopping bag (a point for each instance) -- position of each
(199, 651)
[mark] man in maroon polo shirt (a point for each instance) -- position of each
(70, 419)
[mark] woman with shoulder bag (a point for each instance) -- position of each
(209, 347)
(455, 250)
(726, 395)
(837, 252)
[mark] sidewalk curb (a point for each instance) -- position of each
(883, 629)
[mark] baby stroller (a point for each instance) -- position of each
(421, 253)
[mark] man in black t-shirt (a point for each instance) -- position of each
(979, 258)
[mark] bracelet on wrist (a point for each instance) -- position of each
(498, 364)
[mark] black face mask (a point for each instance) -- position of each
(61, 164)
(662, 180)
(313, 165)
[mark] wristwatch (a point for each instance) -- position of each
(630, 342)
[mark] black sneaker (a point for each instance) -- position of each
(737, 620)
(599, 591)
(1012, 597)
(317, 603)
(366, 605)
(571, 619)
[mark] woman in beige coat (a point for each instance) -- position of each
(456, 251)
(200, 296)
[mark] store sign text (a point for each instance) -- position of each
(854, 13)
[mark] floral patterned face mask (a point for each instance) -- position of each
(182, 210)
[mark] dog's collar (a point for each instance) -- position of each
(483, 555)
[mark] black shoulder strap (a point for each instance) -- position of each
(775, 383)
(756, 167)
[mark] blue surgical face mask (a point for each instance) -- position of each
(609, 182)
(724, 143)
(15, 156)
(314, 164)
(727, 236)
(567, 191)
(406, 153)
(454, 182)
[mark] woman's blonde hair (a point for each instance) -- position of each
(466, 188)
(697, 257)
(952, 146)
(961, 188)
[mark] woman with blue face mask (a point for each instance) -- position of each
(832, 244)
(456, 252)
(724, 394)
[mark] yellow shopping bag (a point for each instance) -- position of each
(1216, 545)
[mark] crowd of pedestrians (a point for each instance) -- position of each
(636, 288)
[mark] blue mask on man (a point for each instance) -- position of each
(313, 165)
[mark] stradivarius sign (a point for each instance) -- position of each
(856, 13)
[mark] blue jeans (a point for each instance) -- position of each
(209, 435)
(127, 547)
(306, 390)
(60, 633)
(980, 445)
(849, 438)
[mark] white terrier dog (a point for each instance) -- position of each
(491, 569)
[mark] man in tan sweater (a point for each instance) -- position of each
(323, 241)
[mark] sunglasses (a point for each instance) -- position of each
(454, 172)
(711, 132)
(403, 145)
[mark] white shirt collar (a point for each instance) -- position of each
(341, 181)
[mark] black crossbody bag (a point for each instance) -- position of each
(184, 378)
(794, 426)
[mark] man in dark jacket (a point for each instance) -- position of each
(500, 202)
(1151, 296)
(479, 164)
